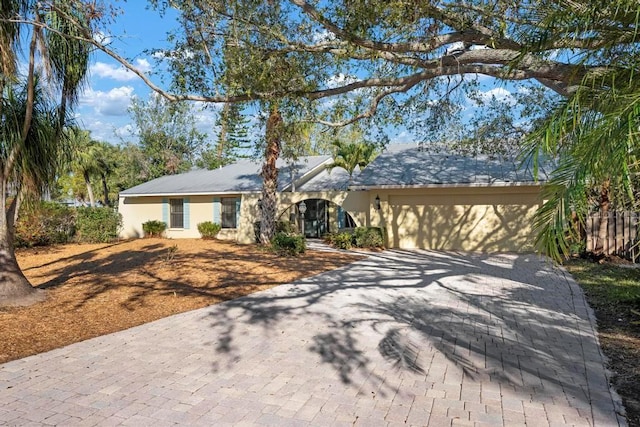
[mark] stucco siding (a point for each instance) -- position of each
(473, 219)
(138, 210)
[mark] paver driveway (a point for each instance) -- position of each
(400, 338)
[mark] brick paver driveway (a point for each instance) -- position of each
(401, 338)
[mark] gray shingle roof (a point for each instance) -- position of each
(242, 176)
(335, 180)
(406, 166)
(401, 165)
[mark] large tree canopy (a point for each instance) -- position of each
(414, 62)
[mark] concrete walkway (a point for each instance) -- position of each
(401, 338)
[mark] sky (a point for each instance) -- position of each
(103, 106)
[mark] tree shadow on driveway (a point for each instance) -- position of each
(412, 319)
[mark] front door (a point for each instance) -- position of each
(316, 221)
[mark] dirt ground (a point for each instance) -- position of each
(102, 288)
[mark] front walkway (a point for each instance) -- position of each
(400, 338)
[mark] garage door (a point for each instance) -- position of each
(486, 222)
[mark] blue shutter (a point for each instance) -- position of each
(186, 213)
(217, 217)
(238, 212)
(340, 218)
(165, 211)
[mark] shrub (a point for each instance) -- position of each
(97, 225)
(153, 228)
(288, 244)
(368, 237)
(287, 227)
(209, 230)
(44, 223)
(342, 240)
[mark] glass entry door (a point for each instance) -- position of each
(316, 218)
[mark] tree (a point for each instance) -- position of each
(233, 141)
(593, 133)
(32, 128)
(85, 158)
(349, 155)
(168, 135)
(107, 164)
(392, 62)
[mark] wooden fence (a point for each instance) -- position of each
(621, 237)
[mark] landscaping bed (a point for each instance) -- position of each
(96, 289)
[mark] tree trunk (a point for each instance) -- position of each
(15, 289)
(105, 190)
(270, 176)
(605, 205)
(87, 180)
(222, 137)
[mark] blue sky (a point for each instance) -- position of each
(104, 103)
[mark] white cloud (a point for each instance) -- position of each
(403, 137)
(499, 93)
(340, 80)
(112, 103)
(323, 37)
(101, 37)
(117, 72)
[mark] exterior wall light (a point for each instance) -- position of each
(376, 203)
(302, 208)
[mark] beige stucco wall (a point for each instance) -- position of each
(472, 219)
(137, 210)
(353, 202)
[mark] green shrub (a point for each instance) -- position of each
(44, 223)
(97, 225)
(209, 230)
(288, 244)
(342, 240)
(368, 237)
(287, 227)
(153, 228)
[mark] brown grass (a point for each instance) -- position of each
(103, 288)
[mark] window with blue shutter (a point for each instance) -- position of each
(340, 217)
(228, 212)
(176, 213)
(165, 211)
(237, 211)
(186, 210)
(217, 218)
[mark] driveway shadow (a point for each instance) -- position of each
(513, 321)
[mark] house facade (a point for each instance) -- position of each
(420, 199)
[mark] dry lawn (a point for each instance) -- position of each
(98, 289)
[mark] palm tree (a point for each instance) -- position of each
(86, 158)
(349, 155)
(32, 129)
(594, 134)
(26, 169)
(107, 163)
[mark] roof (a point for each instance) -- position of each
(400, 166)
(336, 179)
(240, 177)
(406, 166)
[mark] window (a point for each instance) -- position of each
(176, 217)
(228, 219)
